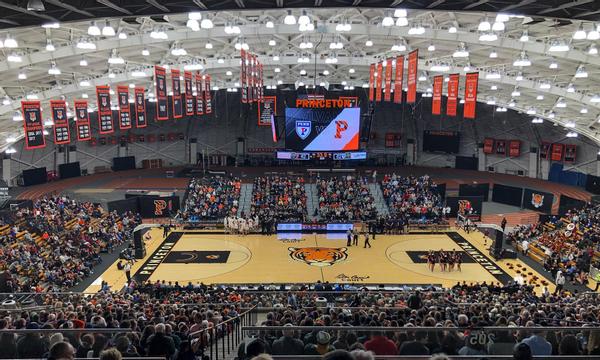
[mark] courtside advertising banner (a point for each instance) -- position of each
(379, 84)
(33, 125)
(388, 80)
(413, 62)
(61, 122)
(105, 120)
(82, 120)
(189, 93)
(471, 95)
(452, 94)
(398, 81)
(207, 97)
(160, 77)
(176, 84)
(141, 121)
(199, 95)
(436, 99)
(124, 108)
(372, 83)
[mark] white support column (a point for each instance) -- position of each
(482, 159)
(193, 151)
(598, 165)
(410, 152)
(122, 150)
(6, 168)
(533, 159)
(72, 153)
(544, 168)
(61, 155)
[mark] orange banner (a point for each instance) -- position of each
(452, 94)
(379, 84)
(413, 62)
(388, 80)
(398, 81)
(436, 100)
(372, 83)
(471, 95)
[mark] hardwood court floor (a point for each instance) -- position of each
(218, 258)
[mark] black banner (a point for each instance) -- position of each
(474, 190)
(140, 108)
(592, 184)
(463, 203)
(156, 206)
(199, 95)
(124, 108)
(122, 206)
(61, 122)
(82, 120)
(105, 120)
(177, 104)
(33, 125)
(508, 195)
(160, 77)
(537, 200)
(189, 96)
(568, 203)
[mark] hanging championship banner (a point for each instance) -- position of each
(61, 122)
(570, 151)
(379, 83)
(470, 95)
(514, 148)
(267, 108)
(252, 78)
(372, 83)
(413, 62)
(243, 76)
(177, 104)
(207, 97)
(261, 91)
(140, 108)
(33, 125)
(199, 95)
(488, 146)
(160, 77)
(124, 108)
(452, 94)
(436, 99)
(557, 152)
(105, 120)
(544, 150)
(82, 120)
(388, 80)
(189, 93)
(398, 80)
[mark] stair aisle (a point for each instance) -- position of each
(246, 198)
(312, 199)
(380, 204)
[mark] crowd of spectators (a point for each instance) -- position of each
(212, 198)
(568, 242)
(345, 198)
(279, 199)
(165, 319)
(59, 243)
(414, 198)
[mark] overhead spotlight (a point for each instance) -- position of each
(484, 25)
(467, 68)
(539, 97)
(6, 100)
(93, 29)
(493, 54)
(488, 37)
(14, 57)
(452, 29)
(583, 110)
(206, 23)
(277, 70)
(519, 76)
(493, 87)
(35, 5)
(208, 45)
(10, 42)
(560, 103)
(84, 83)
(515, 92)
(145, 52)
(401, 22)
(417, 29)
(195, 15)
(581, 72)
(51, 25)
(303, 19)
(580, 34)
(537, 120)
(83, 62)
(289, 18)
(431, 47)
(228, 73)
(593, 34)
(558, 46)
(524, 36)
(108, 30)
(498, 26)
(275, 57)
(351, 70)
(422, 77)
(193, 24)
(269, 24)
(49, 45)
(368, 43)
(570, 88)
(571, 134)
(531, 111)
(220, 60)
(272, 42)
(86, 44)
(302, 72)
(22, 75)
(551, 115)
(570, 125)
(461, 52)
(387, 21)
(159, 34)
(115, 59)
(54, 70)
(325, 72)
(399, 47)
(494, 75)
(138, 73)
(595, 99)
(17, 116)
(122, 35)
(553, 65)
(545, 85)
(400, 13)
(522, 61)
(502, 18)
(593, 50)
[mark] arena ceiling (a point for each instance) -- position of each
(558, 86)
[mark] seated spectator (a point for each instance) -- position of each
(212, 198)
(345, 199)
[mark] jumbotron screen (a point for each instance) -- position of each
(309, 129)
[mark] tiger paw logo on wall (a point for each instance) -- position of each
(159, 207)
(537, 200)
(319, 256)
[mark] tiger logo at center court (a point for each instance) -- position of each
(319, 256)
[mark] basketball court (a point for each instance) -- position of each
(219, 258)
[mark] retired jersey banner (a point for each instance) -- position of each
(199, 95)
(470, 95)
(488, 146)
(379, 83)
(141, 121)
(243, 76)
(436, 99)
(556, 153)
(177, 103)
(514, 148)
(452, 102)
(413, 63)
(189, 93)
(124, 108)
(388, 80)
(570, 151)
(261, 92)
(251, 78)
(105, 120)
(82, 120)
(372, 83)
(33, 125)
(207, 97)
(398, 80)
(160, 77)
(267, 109)
(61, 122)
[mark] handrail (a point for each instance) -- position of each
(75, 331)
(416, 328)
(222, 323)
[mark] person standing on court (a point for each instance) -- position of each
(503, 224)
(349, 237)
(367, 243)
(355, 237)
(560, 282)
(127, 269)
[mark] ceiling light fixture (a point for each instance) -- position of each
(108, 30)
(484, 25)
(524, 36)
(289, 19)
(49, 45)
(580, 33)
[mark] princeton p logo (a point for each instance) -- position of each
(340, 127)
(159, 207)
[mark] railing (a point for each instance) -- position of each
(451, 357)
(228, 333)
